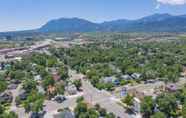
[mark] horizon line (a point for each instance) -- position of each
(92, 21)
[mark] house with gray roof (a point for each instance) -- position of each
(65, 114)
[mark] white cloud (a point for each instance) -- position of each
(172, 2)
(157, 6)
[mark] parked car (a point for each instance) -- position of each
(59, 99)
(38, 115)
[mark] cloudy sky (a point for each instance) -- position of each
(29, 14)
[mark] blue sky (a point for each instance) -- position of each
(29, 14)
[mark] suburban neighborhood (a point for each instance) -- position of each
(92, 58)
(41, 82)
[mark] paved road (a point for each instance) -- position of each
(20, 111)
(74, 75)
(51, 107)
(94, 96)
(91, 95)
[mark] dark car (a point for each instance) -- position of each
(60, 99)
(23, 96)
(38, 115)
(35, 115)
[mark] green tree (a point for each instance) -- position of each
(128, 100)
(39, 59)
(18, 74)
(41, 71)
(29, 85)
(102, 112)
(108, 86)
(147, 106)
(10, 115)
(51, 62)
(184, 110)
(1, 109)
(48, 80)
(3, 85)
(63, 71)
(110, 115)
(158, 115)
(26, 105)
(60, 88)
(93, 113)
(167, 104)
(34, 102)
(80, 99)
(78, 84)
(37, 105)
(80, 108)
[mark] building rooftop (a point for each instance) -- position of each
(64, 114)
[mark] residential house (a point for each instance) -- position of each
(41, 89)
(56, 76)
(6, 97)
(37, 78)
(109, 80)
(126, 77)
(123, 92)
(150, 89)
(64, 114)
(136, 75)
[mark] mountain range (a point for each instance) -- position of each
(152, 23)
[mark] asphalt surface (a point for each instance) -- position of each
(91, 94)
(94, 96)
(51, 107)
(20, 111)
(104, 99)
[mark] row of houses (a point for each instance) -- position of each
(116, 81)
(70, 88)
(149, 89)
